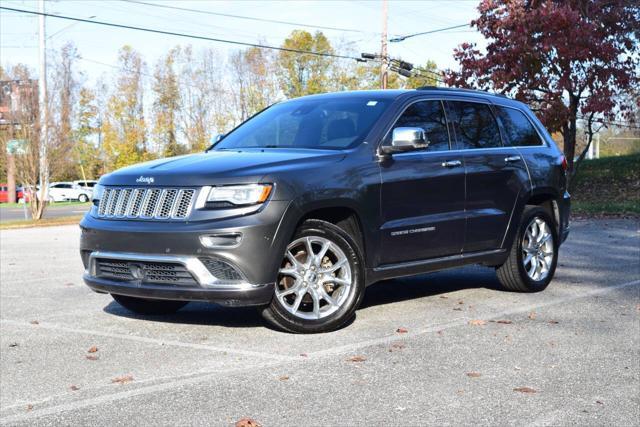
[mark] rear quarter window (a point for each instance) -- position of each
(519, 131)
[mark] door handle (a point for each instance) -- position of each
(512, 159)
(452, 164)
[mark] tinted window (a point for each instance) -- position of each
(519, 130)
(324, 123)
(475, 125)
(428, 115)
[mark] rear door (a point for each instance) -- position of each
(422, 197)
(495, 174)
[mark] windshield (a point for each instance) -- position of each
(327, 123)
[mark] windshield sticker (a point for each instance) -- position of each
(372, 103)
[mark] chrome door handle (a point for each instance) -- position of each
(452, 164)
(511, 159)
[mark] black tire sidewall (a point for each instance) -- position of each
(83, 198)
(345, 312)
(529, 215)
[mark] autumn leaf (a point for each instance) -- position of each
(356, 359)
(93, 349)
(13, 344)
(396, 346)
(460, 302)
(91, 357)
(402, 330)
(599, 402)
(477, 322)
(441, 333)
(474, 374)
(74, 387)
(532, 315)
(457, 309)
(283, 378)
(247, 422)
(553, 322)
(444, 297)
(304, 355)
(527, 390)
(504, 322)
(123, 379)
(29, 407)
(34, 322)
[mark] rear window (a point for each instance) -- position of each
(323, 123)
(518, 129)
(475, 125)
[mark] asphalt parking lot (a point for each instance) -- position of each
(54, 211)
(440, 349)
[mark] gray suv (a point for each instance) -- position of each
(300, 208)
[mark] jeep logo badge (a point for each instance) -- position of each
(136, 271)
(145, 179)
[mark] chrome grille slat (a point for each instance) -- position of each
(146, 203)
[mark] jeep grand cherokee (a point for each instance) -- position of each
(301, 207)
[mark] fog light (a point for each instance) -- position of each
(226, 240)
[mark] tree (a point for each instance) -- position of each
(124, 126)
(88, 124)
(166, 105)
(424, 75)
(300, 73)
(568, 59)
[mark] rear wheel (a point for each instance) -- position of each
(320, 282)
(83, 198)
(534, 253)
(149, 306)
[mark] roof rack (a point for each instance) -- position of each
(460, 89)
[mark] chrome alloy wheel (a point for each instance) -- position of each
(315, 278)
(537, 249)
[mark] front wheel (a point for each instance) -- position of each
(83, 198)
(149, 306)
(534, 253)
(320, 282)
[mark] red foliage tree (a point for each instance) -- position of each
(568, 59)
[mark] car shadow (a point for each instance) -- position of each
(381, 293)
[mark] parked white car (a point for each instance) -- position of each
(62, 191)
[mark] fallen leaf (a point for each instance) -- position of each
(74, 388)
(527, 390)
(356, 359)
(396, 346)
(532, 315)
(402, 330)
(460, 392)
(91, 357)
(457, 309)
(441, 333)
(92, 349)
(477, 322)
(599, 402)
(553, 322)
(444, 297)
(34, 322)
(504, 322)
(247, 422)
(123, 379)
(283, 378)
(304, 355)
(13, 344)
(474, 374)
(29, 407)
(460, 302)
(68, 284)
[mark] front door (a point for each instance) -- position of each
(495, 174)
(422, 197)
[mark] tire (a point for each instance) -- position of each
(319, 293)
(83, 198)
(149, 306)
(516, 272)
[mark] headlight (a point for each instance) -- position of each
(249, 194)
(98, 190)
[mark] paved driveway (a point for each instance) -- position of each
(472, 354)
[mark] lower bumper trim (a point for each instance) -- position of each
(229, 295)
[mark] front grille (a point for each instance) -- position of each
(146, 203)
(221, 270)
(166, 273)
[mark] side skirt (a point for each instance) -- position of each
(412, 268)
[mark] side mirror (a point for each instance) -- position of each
(406, 139)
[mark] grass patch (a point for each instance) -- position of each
(609, 186)
(49, 206)
(46, 222)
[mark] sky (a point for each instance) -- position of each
(358, 24)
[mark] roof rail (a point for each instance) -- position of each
(460, 89)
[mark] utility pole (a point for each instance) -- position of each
(384, 67)
(44, 111)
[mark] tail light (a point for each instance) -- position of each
(565, 165)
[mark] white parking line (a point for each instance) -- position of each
(198, 378)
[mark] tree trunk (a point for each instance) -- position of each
(569, 135)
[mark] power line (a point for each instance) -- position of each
(402, 38)
(610, 123)
(191, 36)
(250, 18)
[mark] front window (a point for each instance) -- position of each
(428, 115)
(323, 123)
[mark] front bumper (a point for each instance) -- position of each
(256, 258)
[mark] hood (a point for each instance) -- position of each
(220, 167)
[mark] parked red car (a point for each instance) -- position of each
(4, 193)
